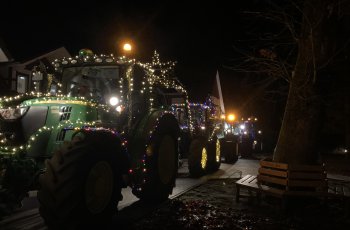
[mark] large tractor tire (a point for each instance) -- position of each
(161, 162)
(82, 183)
(198, 157)
(214, 155)
(229, 151)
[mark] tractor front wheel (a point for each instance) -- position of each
(82, 184)
(161, 163)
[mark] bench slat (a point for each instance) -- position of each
(278, 173)
(302, 175)
(243, 179)
(251, 179)
(306, 168)
(273, 180)
(250, 185)
(263, 188)
(275, 165)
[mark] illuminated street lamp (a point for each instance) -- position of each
(127, 47)
(231, 117)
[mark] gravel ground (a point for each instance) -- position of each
(212, 206)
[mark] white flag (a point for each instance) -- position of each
(220, 93)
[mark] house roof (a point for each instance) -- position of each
(48, 57)
(5, 55)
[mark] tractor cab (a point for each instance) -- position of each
(92, 82)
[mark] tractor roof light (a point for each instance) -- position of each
(84, 53)
(119, 108)
(114, 101)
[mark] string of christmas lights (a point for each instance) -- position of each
(158, 73)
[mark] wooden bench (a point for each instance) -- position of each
(280, 180)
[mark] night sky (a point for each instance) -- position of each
(199, 36)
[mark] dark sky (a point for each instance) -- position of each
(199, 36)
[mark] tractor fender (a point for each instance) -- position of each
(38, 143)
(104, 139)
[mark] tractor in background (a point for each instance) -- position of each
(244, 136)
(201, 146)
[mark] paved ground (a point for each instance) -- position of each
(28, 217)
(131, 210)
(185, 183)
(212, 205)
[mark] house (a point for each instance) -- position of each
(5, 60)
(21, 78)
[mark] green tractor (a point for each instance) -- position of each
(203, 147)
(105, 124)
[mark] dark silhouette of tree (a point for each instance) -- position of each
(307, 52)
(317, 48)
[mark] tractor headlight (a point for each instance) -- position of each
(119, 108)
(114, 101)
(13, 113)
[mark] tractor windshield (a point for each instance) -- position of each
(92, 82)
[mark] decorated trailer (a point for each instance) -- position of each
(104, 123)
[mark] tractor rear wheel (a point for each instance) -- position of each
(198, 157)
(82, 183)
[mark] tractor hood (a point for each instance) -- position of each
(15, 108)
(21, 123)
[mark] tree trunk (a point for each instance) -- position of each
(298, 138)
(298, 135)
